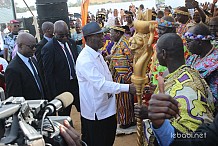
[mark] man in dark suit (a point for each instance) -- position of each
(22, 76)
(48, 30)
(59, 57)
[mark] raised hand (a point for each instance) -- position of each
(205, 6)
(162, 106)
(195, 4)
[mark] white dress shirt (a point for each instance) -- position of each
(96, 87)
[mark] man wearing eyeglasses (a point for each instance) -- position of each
(22, 76)
(59, 57)
(10, 39)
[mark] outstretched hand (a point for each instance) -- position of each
(132, 89)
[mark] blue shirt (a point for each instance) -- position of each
(47, 38)
(164, 134)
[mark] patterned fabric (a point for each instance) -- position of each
(207, 67)
(9, 42)
(121, 69)
(165, 23)
(192, 92)
(183, 28)
(120, 61)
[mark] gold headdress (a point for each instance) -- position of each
(181, 12)
(117, 28)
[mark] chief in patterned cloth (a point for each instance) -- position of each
(10, 39)
(186, 86)
(182, 16)
(205, 55)
(166, 24)
(121, 70)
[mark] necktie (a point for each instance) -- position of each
(70, 62)
(37, 79)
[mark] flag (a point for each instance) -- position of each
(36, 26)
(84, 11)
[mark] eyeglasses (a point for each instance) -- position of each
(31, 46)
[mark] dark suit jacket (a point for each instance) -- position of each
(56, 69)
(38, 54)
(20, 81)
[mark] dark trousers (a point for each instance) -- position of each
(99, 132)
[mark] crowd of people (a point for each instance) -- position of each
(180, 98)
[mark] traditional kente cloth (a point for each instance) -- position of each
(207, 67)
(121, 69)
(183, 28)
(107, 42)
(192, 92)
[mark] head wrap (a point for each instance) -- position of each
(165, 23)
(192, 36)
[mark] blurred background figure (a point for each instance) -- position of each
(77, 37)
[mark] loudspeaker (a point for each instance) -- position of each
(53, 20)
(52, 10)
(27, 25)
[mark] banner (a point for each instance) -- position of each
(6, 11)
(84, 11)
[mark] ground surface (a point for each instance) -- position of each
(124, 140)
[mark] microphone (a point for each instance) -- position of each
(61, 101)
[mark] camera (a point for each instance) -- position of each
(25, 122)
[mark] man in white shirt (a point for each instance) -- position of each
(97, 91)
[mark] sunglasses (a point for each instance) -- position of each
(31, 46)
(16, 25)
(61, 36)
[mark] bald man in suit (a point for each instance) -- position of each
(59, 57)
(22, 75)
